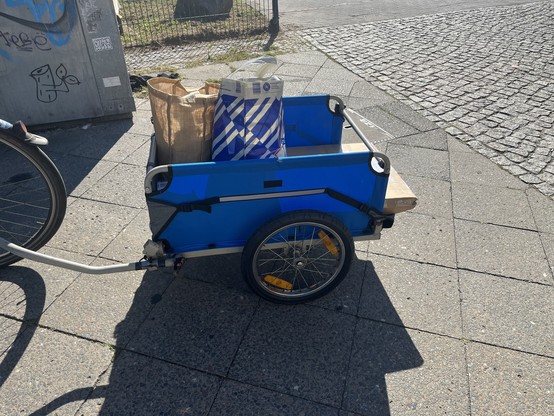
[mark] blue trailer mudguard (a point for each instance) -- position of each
(217, 205)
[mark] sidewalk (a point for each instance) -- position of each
(449, 313)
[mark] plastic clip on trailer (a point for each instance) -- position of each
(294, 218)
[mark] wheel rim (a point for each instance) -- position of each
(298, 259)
(26, 201)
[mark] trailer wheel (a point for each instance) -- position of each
(297, 257)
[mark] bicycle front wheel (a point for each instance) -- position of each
(32, 196)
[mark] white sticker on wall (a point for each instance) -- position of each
(102, 44)
(111, 82)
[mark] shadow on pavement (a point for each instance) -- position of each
(22, 298)
(76, 152)
(208, 347)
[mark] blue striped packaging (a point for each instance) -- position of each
(248, 121)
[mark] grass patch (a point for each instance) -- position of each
(158, 69)
(232, 55)
(152, 22)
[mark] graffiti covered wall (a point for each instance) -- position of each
(61, 60)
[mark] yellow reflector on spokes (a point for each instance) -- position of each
(328, 243)
(280, 283)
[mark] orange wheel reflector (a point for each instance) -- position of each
(280, 283)
(328, 243)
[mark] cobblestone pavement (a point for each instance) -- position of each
(484, 75)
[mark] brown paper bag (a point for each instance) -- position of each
(183, 120)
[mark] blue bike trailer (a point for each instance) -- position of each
(215, 207)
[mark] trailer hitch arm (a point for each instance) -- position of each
(83, 268)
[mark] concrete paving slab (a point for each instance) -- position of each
(548, 244)
(81, 173)
(481, 203)
(238, 399)
(456, 145)
(441, 380)
(123, 185)
(56, 372)
(108, 308)
(297, 350)
(394, 125)
(418, 237)
(223, 270)
(431, 139)
(434, 196)
(304, 58)
(10, 329)
(65, 141)
(196, 324)
(408, 115)
(332, 72)
(92, 143)
(359, 103)
(89, 226)
(363, 89)
(388, 361)
(475, 168)
(142, 124)
(115, 144)
(130, 142)
(345, 413)
(328, 81)
(501, 251)
(136, 385)
(204, 72)
(142, 104)
(346, 296)
(543, 210)
(418, 161)
(39, 284)
(508, 382)
(128, 245)
(330, 64)
(413, 295)
(507, 312)
(294, 86)
(140, 156)
(113, 148)
(360, 248)
(297, 70)
(22, 293)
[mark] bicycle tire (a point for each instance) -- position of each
(33, 197)
(297, 257)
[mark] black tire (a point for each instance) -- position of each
(32, 196)
(297, 257)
